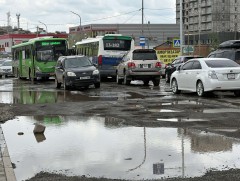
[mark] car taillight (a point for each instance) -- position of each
(131, 65)
(100, 60)
(158, 65)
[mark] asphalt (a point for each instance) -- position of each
(6, 168)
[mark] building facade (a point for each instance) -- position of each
(154, 34)
(8, 40)
(208, 17)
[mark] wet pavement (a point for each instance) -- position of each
(117, 131)
(89, 146)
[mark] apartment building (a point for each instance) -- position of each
(210, 16)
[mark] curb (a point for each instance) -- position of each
(5, 160)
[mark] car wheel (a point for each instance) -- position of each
(167, 77)
(145, 82)
(57, 84)
(200, 89)
(156, 81)
(126, 81)
(175, 87)
(65, 86)
(237, 93)
(119, 81)
(97, 85)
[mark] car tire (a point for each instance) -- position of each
(119, 81)
(97, 85)
(57, 84)
(237, 93)
(145, 82)
(200, 89)
(174, 87)
(126, 81)
(156, 81)
(167, 77)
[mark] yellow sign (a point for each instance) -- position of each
(167, 56)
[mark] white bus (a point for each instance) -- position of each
(105, 51)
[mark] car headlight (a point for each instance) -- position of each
(95, 72)
(71, 74)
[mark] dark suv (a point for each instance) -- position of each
(171, 67)
(228, 49)
(76, 71)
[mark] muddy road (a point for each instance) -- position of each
(123, 132)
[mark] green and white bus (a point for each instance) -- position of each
(37, 58)
(106, 51)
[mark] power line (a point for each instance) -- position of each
(114, 16)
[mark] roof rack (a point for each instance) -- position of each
(230, 44)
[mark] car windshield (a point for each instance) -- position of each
(221, 63)
(7, 63)
(144, 56)
(76, 62)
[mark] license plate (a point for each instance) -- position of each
(84, 78)
(145, 65)
(231, 76)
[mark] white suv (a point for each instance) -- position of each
(139, 64)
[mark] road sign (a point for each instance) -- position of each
(188, 49)
(142, 41)
(176, 43)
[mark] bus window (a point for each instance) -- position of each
(113, 44)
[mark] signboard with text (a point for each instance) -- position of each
(167, 55)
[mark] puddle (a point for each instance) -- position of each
(163, 110)
(181, 120)
(24, 96)
(221, 110)
(95, 146)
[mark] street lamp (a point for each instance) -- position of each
(44, 25)
(78, 16)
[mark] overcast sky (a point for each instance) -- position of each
(57, 16)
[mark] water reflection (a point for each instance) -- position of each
(97, 147)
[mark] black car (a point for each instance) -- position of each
(170, 68)
(229, 49)
(76, 71)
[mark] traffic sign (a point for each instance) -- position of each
(188, 49)
(142, 41)
(176, 43)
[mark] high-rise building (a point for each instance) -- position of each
(210, 16)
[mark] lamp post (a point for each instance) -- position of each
(78, 16)
(44, 25)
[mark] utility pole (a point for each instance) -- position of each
(44, 25)
(142, 38)
(18, 22)
(199, 26)
(181, 28)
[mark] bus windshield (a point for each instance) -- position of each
(50, 50)
(114, 44)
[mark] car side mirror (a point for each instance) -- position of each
(178, 68)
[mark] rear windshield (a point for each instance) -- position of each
(77, 62)
(221, 63)
(144, 56)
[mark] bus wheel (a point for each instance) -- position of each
(57, 84)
